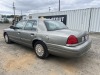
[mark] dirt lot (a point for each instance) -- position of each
(16, 59)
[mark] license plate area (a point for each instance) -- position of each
(84, 38)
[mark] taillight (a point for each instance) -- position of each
(72, 40)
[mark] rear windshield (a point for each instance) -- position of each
(54, 25)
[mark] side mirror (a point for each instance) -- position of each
(13, 27)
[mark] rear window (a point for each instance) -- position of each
(54, 25)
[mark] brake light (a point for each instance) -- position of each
(72, 40)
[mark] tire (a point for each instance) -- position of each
(7, 40)
(41, 50)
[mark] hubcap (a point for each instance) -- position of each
(6, 38)
(39, 50)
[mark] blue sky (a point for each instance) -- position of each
(40, 6)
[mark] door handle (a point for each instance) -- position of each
(18, 32)
(47, 37)
(32, 34)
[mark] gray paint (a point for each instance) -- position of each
(54, 40)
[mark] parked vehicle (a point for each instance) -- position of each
(49, 37)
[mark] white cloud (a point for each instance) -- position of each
(38, 6)
(95, 3)
(69, 1)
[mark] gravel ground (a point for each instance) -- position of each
(16, 59)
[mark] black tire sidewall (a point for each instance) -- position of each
(46, 53)
(8, 39)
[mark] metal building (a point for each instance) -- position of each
(80, 19)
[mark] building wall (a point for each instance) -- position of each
(25, 17)
(1, 19)
(10, 19)
(95, 20)
(80, 19)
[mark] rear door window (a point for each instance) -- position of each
(31, 25)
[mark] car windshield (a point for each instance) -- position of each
(54, 25)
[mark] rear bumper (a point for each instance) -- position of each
(65, 51)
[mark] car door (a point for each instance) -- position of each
(15, 33)
(29, 32)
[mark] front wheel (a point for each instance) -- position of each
(7, 40)
(41, 50)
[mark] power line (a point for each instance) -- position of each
(49, 9)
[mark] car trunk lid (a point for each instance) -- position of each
(82, 36)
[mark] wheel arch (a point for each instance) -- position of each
(4, 33)
(35, 40)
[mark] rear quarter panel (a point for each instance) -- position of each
(56, 38)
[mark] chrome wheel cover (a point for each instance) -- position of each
(39, 50)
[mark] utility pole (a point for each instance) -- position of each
(14, 10)
(49, 9)
(21, 12)
(21, 15)
(59, 5)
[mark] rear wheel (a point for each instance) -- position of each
(7, 40)
(41, 50)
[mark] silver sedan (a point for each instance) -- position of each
(48, 37)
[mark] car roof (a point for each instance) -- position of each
(39, 19)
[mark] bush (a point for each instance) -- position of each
(1, 22)
(6, 21)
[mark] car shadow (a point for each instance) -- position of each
(66, 63)
(53, 57)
